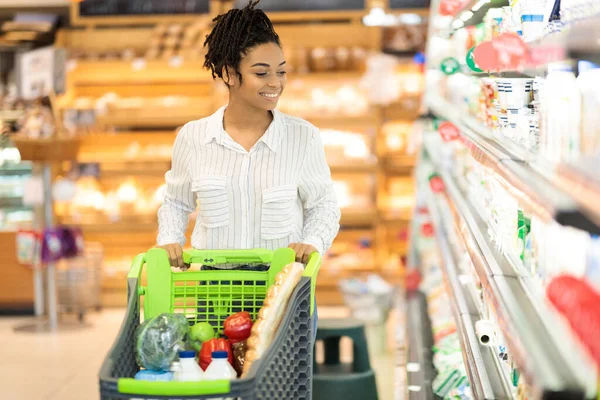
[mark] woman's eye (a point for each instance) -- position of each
(261, 74)
(282, 72)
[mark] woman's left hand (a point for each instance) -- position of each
(303, 251)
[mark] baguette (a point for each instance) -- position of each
(271, 313)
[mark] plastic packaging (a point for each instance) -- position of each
(588, 83)
(154, 376)
(159, 340)
(189, 371)
(562, 115)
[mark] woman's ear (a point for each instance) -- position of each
(228, 77)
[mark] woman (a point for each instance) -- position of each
(259, 176)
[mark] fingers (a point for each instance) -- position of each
(303, 251)
(175, 253)
(172, 255)
(179, 254)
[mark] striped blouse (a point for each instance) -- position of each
(280, 192)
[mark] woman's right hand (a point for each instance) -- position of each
(175, 252)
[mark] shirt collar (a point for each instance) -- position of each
(271, 137)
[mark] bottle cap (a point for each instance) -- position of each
(219, 355)
(187, 354)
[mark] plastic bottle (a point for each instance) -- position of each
(562, 108)
(219, 367)
(189, 368)
(175, 370)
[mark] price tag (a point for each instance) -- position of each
(436, 183)
(511, 51)
(448, 131)
(450, 66)
(485, 56)
(427, 229)
(452, 7)
(471, 61)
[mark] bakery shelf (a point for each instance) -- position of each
(528, 325)
(396, 216)
(105, 225)
(369, 119)
(137, 72)
(530, 179)
(11, 115)
(327, 76)
(402, 164)
(159, 118)
(486, 376)
(156, 168)
(419, 365)
(358, 217)
(358, 166)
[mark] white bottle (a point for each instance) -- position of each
(175, 370)
(189, 369)
(219, 367)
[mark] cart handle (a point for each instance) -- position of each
(215, 257)
(136, 266)
(173, 388)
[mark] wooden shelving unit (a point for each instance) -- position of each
(196, 95)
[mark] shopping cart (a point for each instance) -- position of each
(284, 371)
(78, 281)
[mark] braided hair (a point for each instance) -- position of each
(234, 33)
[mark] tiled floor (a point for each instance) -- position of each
(64, 366)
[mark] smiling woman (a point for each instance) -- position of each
(259, 176)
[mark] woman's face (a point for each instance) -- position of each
(263, 77)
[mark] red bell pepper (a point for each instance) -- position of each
(238, 326)
(205, 357)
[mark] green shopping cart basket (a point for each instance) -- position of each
(284, 371)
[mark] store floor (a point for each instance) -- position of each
(64, 366)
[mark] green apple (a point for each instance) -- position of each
(200, 333)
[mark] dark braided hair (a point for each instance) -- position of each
(234, 33)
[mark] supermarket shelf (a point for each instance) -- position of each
(419, 369)
(11, 202)
(11, 115)
(327, 76)
(399, 164)
(525, 320)
(104, 225)
(396, 216)
(160, 119)
(360, 166)
(531, 180)
(156, 168)
(359, 217)
(23, 168)
(367, 120)
(138, 72)
(578, 42)
(486, 375)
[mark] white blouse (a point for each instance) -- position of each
(280, 192)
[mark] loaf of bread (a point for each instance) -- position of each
(271, 313)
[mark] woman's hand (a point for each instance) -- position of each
(303, 251)
(175, 252)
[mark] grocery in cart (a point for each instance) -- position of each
(278, 360)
